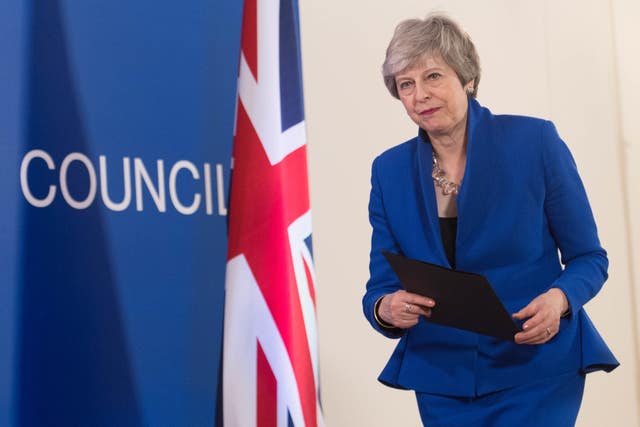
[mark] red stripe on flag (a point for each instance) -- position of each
(249, 39)
(267, 393)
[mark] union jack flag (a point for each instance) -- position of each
(270, 362)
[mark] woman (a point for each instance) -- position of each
(495, 195)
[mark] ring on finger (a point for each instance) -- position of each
(408, 308)
(548, 332)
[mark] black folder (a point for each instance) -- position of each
(463, 300)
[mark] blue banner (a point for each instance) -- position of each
(116, 127)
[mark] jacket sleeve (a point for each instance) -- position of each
(382, 279)
(571, 223)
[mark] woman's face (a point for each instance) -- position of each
(434, 97)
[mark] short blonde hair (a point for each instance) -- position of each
(436, 35)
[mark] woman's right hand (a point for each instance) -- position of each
(402, 309)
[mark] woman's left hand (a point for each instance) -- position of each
(543, 314)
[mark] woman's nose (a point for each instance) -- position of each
(422, 91)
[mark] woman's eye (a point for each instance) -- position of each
(434, 76)
(405, 85)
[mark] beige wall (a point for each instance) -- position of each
(574, 62)
(625, 16)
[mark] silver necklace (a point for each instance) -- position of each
(447, 186)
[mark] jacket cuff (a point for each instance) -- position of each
(388, 328)
(567, 314)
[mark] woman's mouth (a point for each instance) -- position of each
(429, 112)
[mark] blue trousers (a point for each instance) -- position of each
(552, 402)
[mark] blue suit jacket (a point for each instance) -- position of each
(520, 201)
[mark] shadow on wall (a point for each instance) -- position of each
(74, 366)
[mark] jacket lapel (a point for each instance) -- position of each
(425, 164)
(477, 195)
(472, 198)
